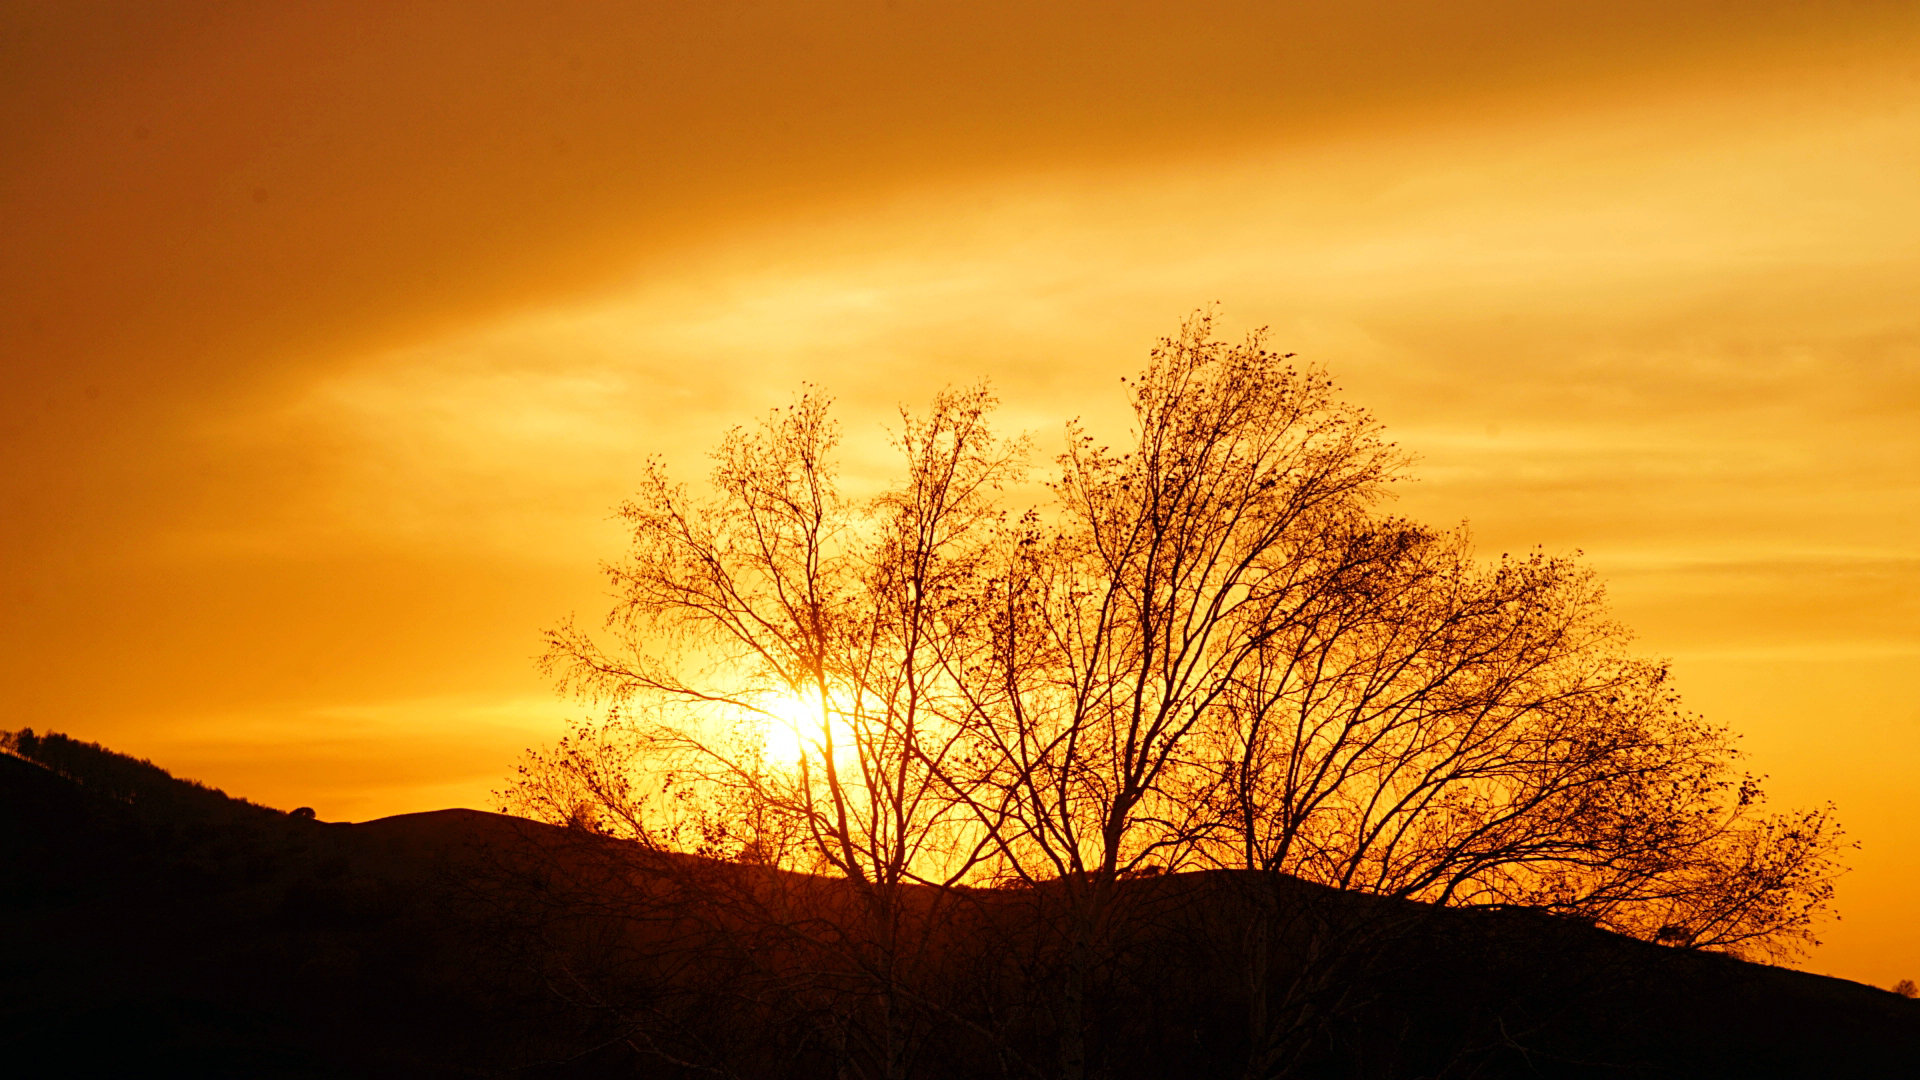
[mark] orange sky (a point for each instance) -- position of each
(333, 331)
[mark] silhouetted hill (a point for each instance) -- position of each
(158, 927)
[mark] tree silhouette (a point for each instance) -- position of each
(1210, 648)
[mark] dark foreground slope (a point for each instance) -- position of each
(153, 927)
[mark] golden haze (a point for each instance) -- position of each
(334, 332)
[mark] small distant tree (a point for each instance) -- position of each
(1210, 648)
(1906, 989)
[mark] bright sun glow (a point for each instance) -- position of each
(791, 726)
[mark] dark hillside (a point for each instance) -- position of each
(151, 924)
(155, 927)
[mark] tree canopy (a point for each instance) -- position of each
(1210, 647)
(1204, 646)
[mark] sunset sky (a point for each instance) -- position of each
(333, 332)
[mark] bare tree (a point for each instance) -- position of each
(1114, 630)
(1210, 649)
(1426, 727)
(776, 611)
(1468, 734)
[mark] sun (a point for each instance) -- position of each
(790, 725)
(791, 729)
